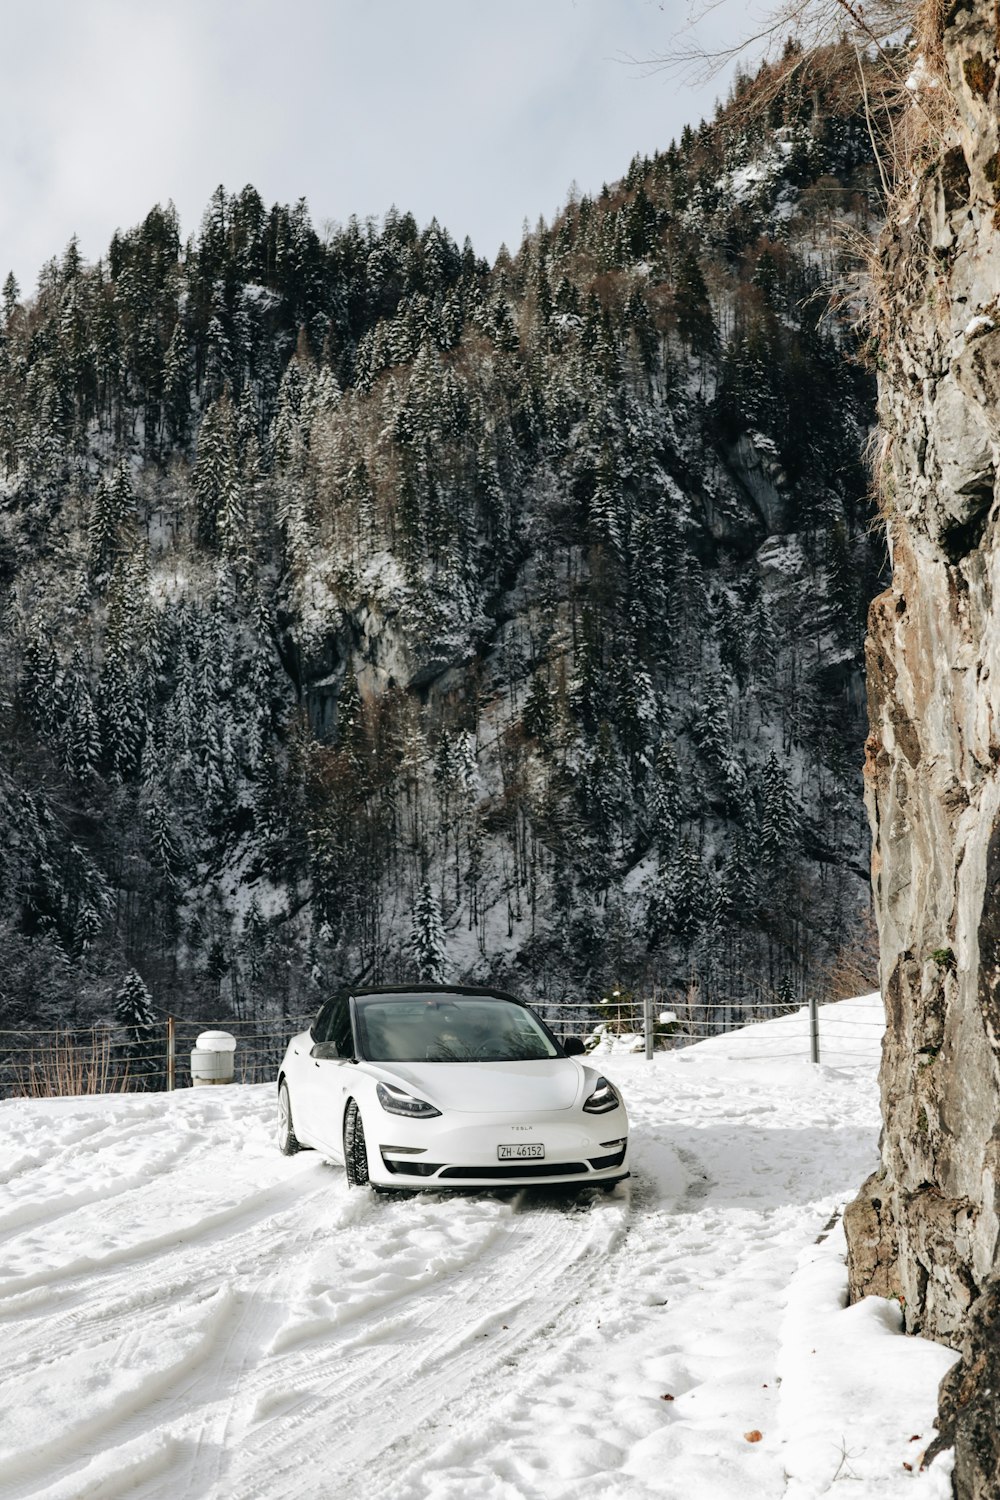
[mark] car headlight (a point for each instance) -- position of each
(397, 1102)
(603, 1099)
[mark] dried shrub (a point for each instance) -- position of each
(67, 1066)
(854, 968)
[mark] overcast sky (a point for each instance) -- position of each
(479, 113)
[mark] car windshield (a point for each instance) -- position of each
(449, 1028)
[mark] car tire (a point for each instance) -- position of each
(355, 1148)
(288, 1141)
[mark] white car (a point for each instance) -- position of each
(431, 1086)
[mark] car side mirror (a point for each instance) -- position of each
(573, 1047)
(324, 1052)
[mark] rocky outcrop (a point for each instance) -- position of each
(967, 1418)
(925, 1227)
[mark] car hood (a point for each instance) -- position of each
(492, 1087)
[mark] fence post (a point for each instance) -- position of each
(813, 1027)
(171, 1052)
(647, 1023)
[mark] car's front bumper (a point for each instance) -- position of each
(436, 1154)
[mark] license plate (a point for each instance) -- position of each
(523, 1151)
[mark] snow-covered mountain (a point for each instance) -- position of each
(357, 594)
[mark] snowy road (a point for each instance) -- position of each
(186, 1313)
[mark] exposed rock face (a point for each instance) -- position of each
(967, 1418)
(925, 1227)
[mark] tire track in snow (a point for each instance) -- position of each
(124, 1316)
(254, 1397)
(30, 1213)
(216, 1227)
(458, 1352)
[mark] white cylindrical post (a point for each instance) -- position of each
(212, 1059)
(813, 1028)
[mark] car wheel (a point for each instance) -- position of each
(288, 1142)
(355, 1150)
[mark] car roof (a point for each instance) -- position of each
(455, 991)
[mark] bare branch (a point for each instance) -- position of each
(810, 23)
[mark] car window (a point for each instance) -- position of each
(447, 1028)
(333, 1024)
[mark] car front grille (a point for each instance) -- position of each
(518, 1169)
(506, 1173)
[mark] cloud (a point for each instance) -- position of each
(480, 115)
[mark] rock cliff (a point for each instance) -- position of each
(925, 1226)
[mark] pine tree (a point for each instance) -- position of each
(124, 679)
(734, 637)
(80, 734)
(350, 717)
(40, 684)
(663, 798)
(635, 704)
(605, 790)
(177, 385)
(695, 321)
(539, 711)
(221, 505)
(779, 819)
(659, 905)
(607, 505)
(428, 944)
(688, 891)
(137, 1020)
(112, 521)
(296, 521)
(287, 427)
(710, 723)
(10, 295)
(167, 855)
(220, 363)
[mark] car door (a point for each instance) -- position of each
(329, 1050)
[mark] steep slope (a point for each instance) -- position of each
(354, 582)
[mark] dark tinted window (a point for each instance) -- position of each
(333, 1024)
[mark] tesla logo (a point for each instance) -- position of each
(522, 1127)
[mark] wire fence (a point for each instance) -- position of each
(844, 1033)
(102, 1058)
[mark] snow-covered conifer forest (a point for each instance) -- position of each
(366, 607)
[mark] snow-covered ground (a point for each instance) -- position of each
(186, 1313)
